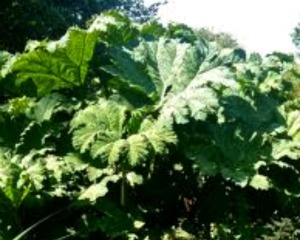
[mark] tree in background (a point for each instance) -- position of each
(188, 34)
(39, 19)
(223, 40)
(296, 37)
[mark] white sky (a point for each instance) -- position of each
(258, 25)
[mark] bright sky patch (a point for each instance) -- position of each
(259, 25)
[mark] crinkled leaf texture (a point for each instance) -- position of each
(113, 28)
(101, 129)
(183, 80)
(293, 124)
(58, 64)
(190, 82)
(249, 128)
(46, 107)
(6, 59)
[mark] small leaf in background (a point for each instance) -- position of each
(260, 182)
(138, 224)
(93, 192)
(98, 190)
(74, 161)
(45, 108)
(18, 106)
(134, 179)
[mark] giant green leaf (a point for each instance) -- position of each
(182, 79)
(101, 129)
(58, 64)
(102, 122)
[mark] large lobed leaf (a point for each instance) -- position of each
(102, 130)
(57, 64)
(183, 80)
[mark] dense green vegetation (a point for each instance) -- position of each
(138, 131)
